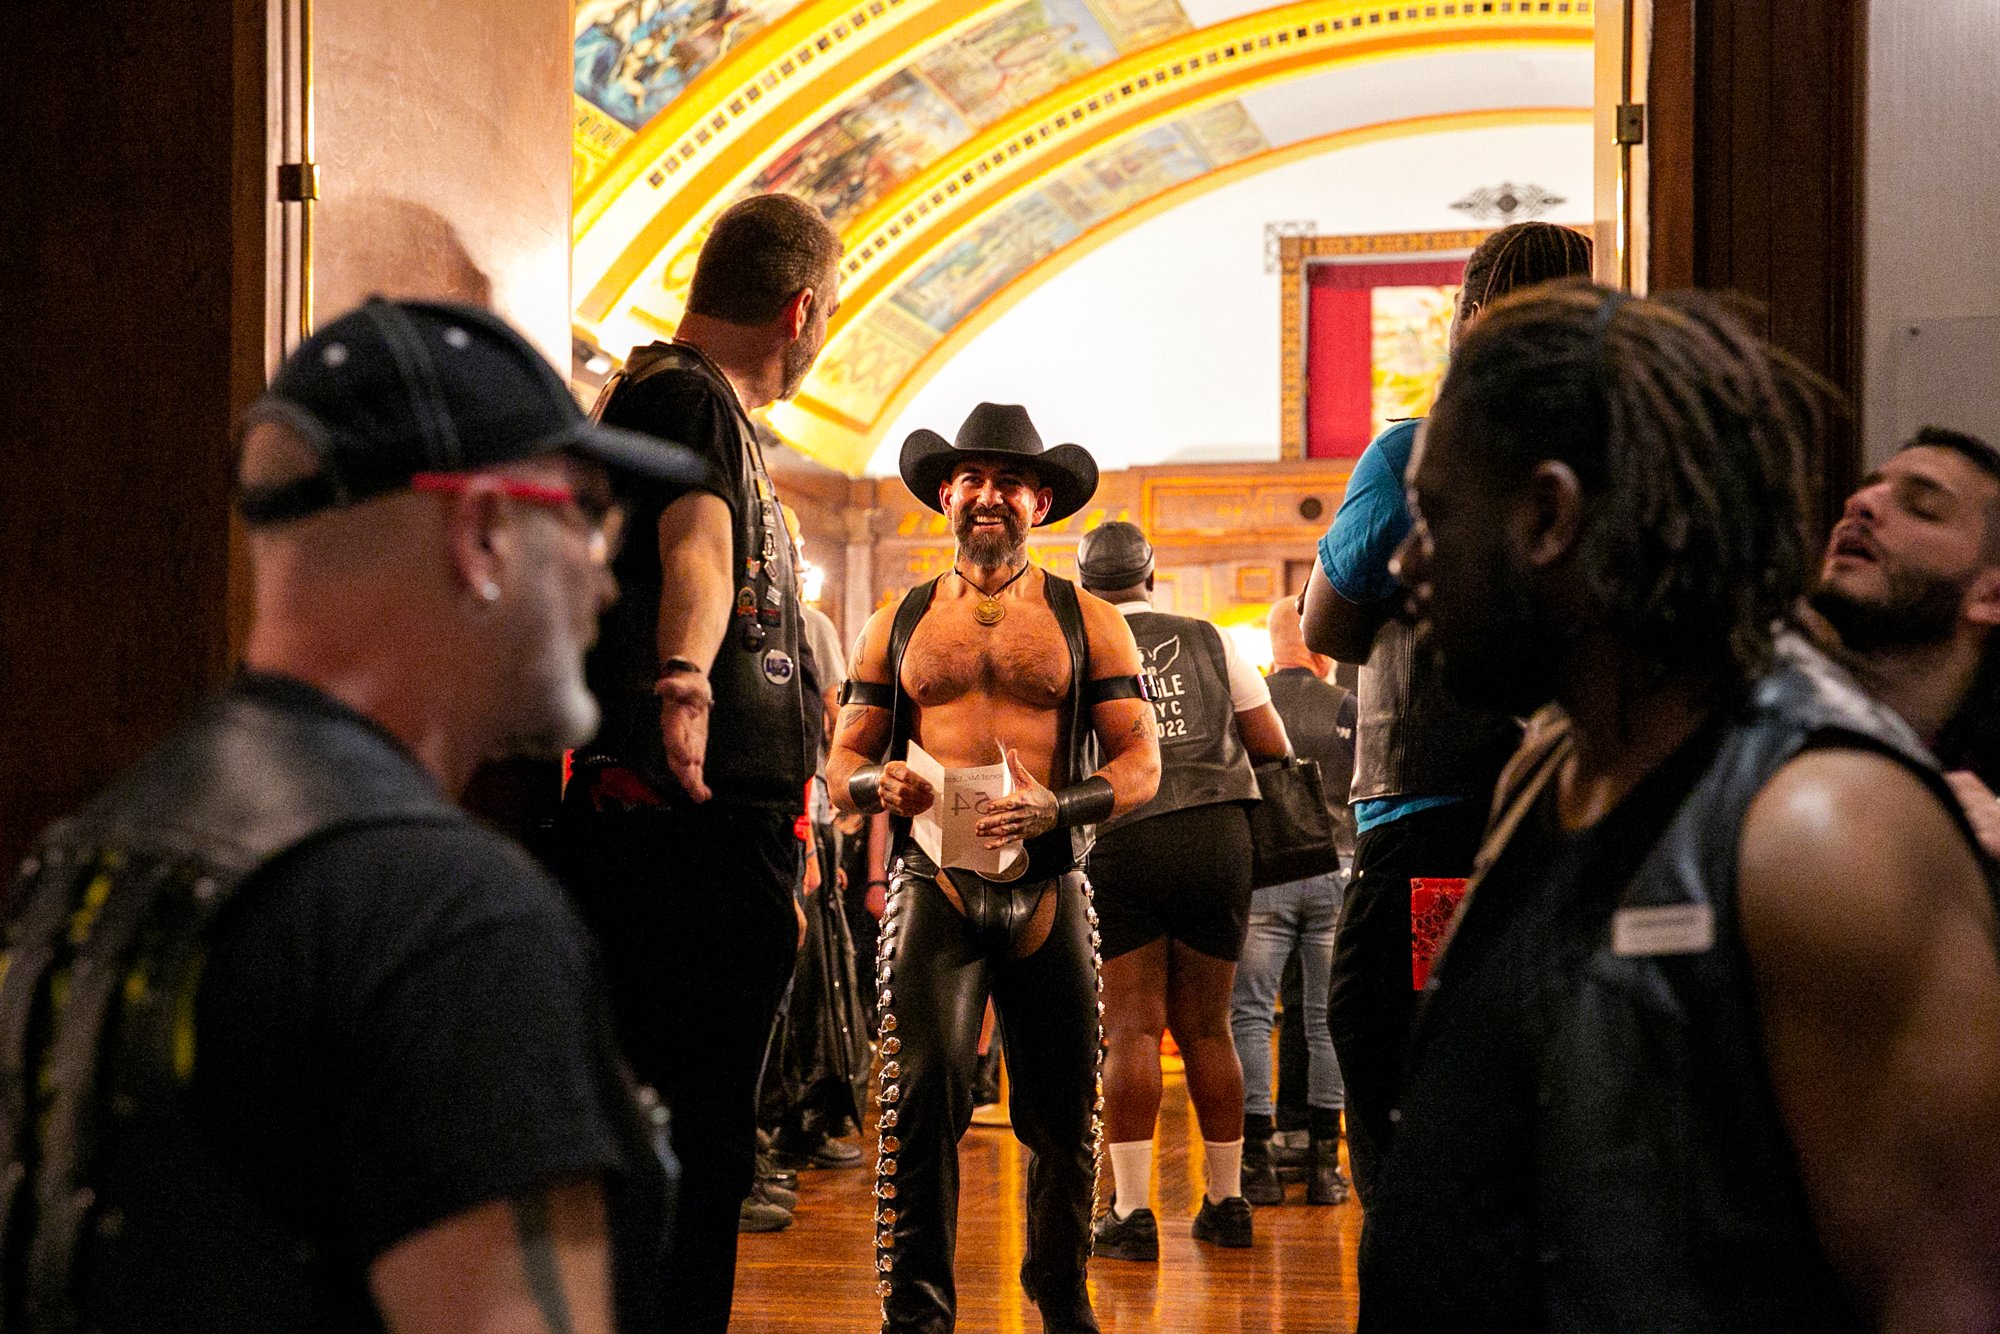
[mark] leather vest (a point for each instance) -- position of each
(1202, 759)
(762, 739)
(1666, 1182)
(1415, 738)
(1319, 718)
(114, 1211)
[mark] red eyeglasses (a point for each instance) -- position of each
(605, 519)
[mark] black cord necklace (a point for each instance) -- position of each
(990, 608)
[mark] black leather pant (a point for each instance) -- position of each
(936, 967)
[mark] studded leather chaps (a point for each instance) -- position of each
(936, 967)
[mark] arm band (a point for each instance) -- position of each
(1107, 688)
(864, 788)
(873, 694)
(1088, 802)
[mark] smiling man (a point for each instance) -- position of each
(1715, 1042)
(992, 659)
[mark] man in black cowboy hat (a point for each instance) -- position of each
(992, 659)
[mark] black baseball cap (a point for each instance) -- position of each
(396, 388)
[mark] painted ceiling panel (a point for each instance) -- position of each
(959, 146)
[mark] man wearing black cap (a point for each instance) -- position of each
(994, 660)
(678, 821)
(287, 1040)
(1173, 885)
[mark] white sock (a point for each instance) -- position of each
(1222, 1166)
(1131, 1176)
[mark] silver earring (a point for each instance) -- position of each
(490, 591)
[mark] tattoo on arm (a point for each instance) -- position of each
(852, 715)
(538, 1258)
(1139, 726)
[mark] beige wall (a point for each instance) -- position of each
(444, 146)
(1932, 216)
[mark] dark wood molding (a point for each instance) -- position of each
(1755, 128)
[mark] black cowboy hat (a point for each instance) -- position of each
(1000, 430)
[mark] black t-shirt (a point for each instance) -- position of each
(398, 1024)
(1451, 1237)
(763, 730)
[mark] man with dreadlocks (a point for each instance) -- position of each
(1425, 761)
(1715, 1043)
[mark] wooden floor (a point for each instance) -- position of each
(819, 1273)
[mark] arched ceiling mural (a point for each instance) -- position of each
(967, 150)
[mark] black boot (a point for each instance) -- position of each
(1324, 1183)
(1260, 1174)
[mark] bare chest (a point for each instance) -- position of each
(951, 656)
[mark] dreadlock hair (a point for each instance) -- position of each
(1521, 255)
(1688, 434)
(759, 255)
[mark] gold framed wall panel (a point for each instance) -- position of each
(1294, 254)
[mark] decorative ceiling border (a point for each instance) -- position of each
(705, 124)
(735, 116)
(1170, 79)
(840, 441)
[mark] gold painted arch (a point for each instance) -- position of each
(847, 442)
(648, 204)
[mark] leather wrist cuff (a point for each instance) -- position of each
(1088, 802)
(864, 788)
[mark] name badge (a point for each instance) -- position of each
(1671, 928)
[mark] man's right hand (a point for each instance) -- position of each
(1982, 809)
(902, 792)
(685, 701)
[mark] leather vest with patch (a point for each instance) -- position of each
(763, 733)
(1666, 1182)
(1202, 759)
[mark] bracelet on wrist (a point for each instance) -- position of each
(864, 789)
(1088, 802)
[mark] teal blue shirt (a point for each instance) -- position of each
(1371, 523)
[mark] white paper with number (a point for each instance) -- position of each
(945, 831)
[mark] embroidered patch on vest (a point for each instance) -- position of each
(1671, 928)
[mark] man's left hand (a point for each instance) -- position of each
(1028, 810)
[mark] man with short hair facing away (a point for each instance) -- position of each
(1425, 761)
(678, 838)
(994, 660)
(292, 1041)
(1715, 1042)
(1172, 880)
(1300, 916)
(1909, 593)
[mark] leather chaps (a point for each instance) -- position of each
(936, 968)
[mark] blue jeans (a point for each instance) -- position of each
(1299, 915)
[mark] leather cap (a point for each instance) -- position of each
(1114, 555)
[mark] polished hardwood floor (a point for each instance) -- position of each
(818, 1274)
